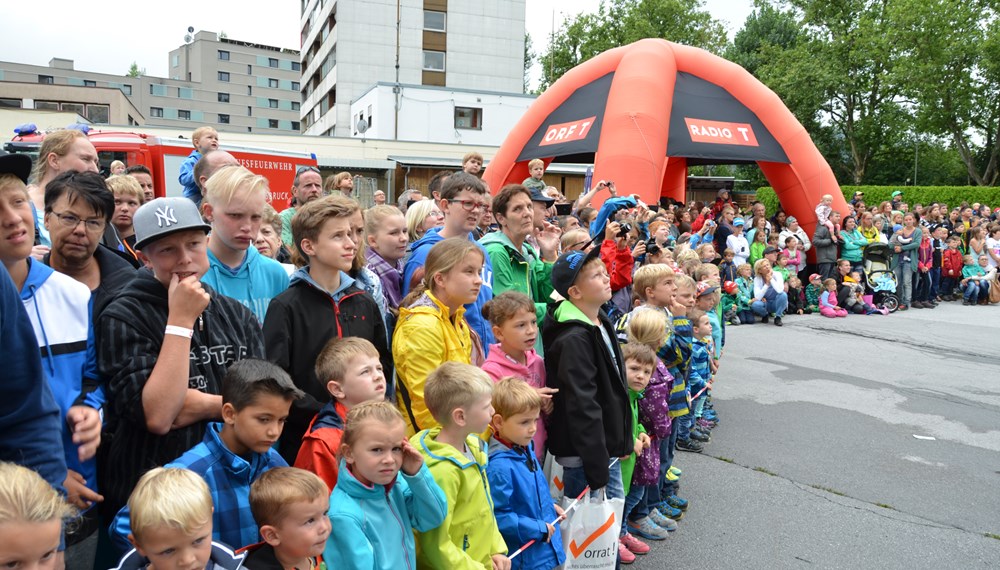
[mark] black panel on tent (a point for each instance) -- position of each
(573, 128)
(710, 126)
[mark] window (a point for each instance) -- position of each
(249, 69)
(77, 108)
(223, 97)
(272, 123)
(249, 90)
(175, 60)
(296, 66)
(46, 105)
(46, 79)
(435, 21)
(433, 60)
(223, 55)
(156, 112)
(468, 118)
(249, 111)
(184, 115)
(99, 114)
(296, 105)
(223, 119)
(89, 83)
(295, 125)
(224, 76)
(272, 62)
(296, 86)
(185, 93)
(272, 103)
(272, 83)
(127, 89)
(10, 103)
(157, 89)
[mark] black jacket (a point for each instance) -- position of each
(129, 336)
(298, 324)
(116, 272)
(591, 418)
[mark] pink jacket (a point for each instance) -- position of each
(499, 365)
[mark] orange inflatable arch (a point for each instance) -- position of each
(643, 112)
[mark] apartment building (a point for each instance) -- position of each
(232, 85)
(348, 46)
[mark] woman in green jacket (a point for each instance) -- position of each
(852, 243)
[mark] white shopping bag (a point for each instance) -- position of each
(590, 532)
(554, 475)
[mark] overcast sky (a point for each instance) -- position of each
(107, 36)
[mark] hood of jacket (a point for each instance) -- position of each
(301, 275)
(430, 237)
(507, 365)
(146, 289)
(565, 315)
(348, 483)
(244, 271)
(436, 452)
(222, 558)
(527, 251)
(428, 304)
(518, 453)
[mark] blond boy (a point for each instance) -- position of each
(536, 169)
(459, 396)
(172, 520)
(349, 369)
(290, 506)
(234, 205)
(203, 139)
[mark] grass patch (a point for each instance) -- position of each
(885, 506)
(991, 535)
(829, 490)
(765, 471)
(726, 459)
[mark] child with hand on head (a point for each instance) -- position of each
(290, 506)
(32, 514)
(203, 139)
(459, 397)
(515, 326)
(172, 521)
(828, 300)
(384, 493)
(350, 370)
(813, 290)
(640, 361)
(521, 502)
(256, 398)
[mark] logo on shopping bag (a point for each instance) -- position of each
(558, 483)
(577, 550)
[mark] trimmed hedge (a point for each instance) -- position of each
(951, 195)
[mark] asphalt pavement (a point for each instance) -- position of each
(862, 442)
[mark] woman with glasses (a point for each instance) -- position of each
(421, 217)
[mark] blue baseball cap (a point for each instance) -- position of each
(738, 221)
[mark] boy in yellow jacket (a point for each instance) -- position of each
(459, 396)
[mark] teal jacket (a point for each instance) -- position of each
(373, 526)
(908, 249)
(522, 271)
(254, 283)
(853, 243)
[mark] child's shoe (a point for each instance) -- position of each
(690, 445)
(668, 511)
(633, 544)
(672, 477)
(698, 436)
(624, 554)
(673, 469)
(677, 502)
(706, 425)
(669, 525)
(647, 529)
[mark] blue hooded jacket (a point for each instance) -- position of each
(186, 177)
(254, 283)
(59, 308)
(473, 311)
(522, 505)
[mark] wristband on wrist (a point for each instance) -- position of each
(179, 331)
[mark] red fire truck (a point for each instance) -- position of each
(163, 156)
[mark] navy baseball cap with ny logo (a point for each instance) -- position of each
(567, 268)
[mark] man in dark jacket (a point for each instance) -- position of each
(591, 418)
(164, 345)
(826, 248)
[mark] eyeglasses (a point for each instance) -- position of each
(93, 225)
(435, 213)
(470, 205)
(302, 169)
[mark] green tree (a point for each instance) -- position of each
(950, 68)
(766, 28)
(529, 60)
(621, 22)
(134, 71)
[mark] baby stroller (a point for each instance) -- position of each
(880, 281)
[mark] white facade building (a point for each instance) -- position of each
(437, 114)
(350, 45)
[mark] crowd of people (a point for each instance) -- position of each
(395, 386)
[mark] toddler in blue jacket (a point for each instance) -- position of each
(521, 502)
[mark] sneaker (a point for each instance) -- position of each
(711, 416)
(646, 529)
(764, 319)
(706, 425)
(624, 554)
(777, 321)
(675, 471)
(633, 544)
(671, 477)
(667, 524)
(902, 308)
(677, 502)
(698, 436)
(918, 305)
(668, 511)
(735, 321)
(689, 445)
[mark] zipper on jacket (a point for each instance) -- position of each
(336, 311)
(402, 528)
